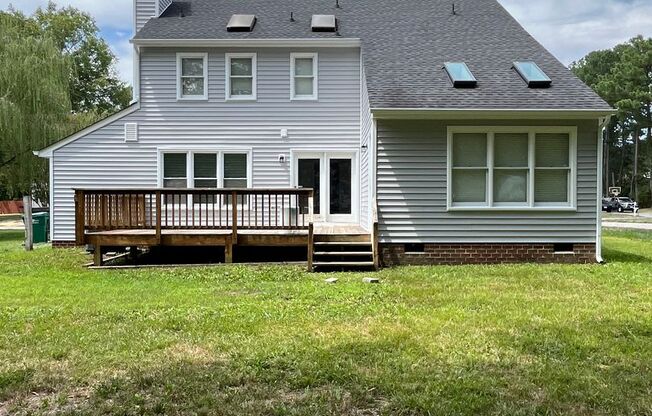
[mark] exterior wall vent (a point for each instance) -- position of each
(324, 23)
(241, 23)
(131, 132)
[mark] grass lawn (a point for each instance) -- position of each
(512, 340)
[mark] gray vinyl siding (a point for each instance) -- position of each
(102, 159)
(411, 191)
(145, 10)
(365, 140)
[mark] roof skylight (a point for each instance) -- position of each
(532, 74)
(241, 23)
(323, 23)
(460, 75)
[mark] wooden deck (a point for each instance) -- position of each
(215, 217)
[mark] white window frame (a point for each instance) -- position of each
(180, 57)
(315, 76)
(227, 71)
(530, 205)
(190, 152)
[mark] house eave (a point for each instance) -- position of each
(488, 114)
(253, 43)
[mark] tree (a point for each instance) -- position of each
(623, 77)
(34, 103)
(56, 76)
(94, 84)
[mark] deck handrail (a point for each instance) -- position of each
(192, 208)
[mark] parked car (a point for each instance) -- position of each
(608, 204)
(620, 204)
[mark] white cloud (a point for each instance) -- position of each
(116, 14)
(571, 29)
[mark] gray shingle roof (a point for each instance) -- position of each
(404, 47)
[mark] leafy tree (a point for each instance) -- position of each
(623, 77)
(94, 84)
(56, 76)
(34, 103)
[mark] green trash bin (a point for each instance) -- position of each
(40, 226)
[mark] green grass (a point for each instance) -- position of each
(511, 340)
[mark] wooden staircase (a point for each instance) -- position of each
(343, 251)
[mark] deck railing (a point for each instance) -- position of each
(165, 208)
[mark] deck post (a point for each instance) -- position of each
(158, 217)
(228, 250)
(311, 243)
(234, 211)
(311, 207)
(80, 216)
(27, 219)
(97, 255)
(374, 234)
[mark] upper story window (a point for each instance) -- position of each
(240, 76)
(303, 76)
(511, 168)
(192, 76)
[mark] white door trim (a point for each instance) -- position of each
(324, 157)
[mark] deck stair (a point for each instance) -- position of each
(343, 251)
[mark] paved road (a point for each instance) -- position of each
(628, 225)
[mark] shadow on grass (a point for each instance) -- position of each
(555, 374)
(619, 256)
(12, 235)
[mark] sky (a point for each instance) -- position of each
(568, 28)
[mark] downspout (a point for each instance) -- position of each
(135, 89)
(602, 124)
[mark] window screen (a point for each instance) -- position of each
(192, 77)
(241, 77)
(235, 170)
(552, 173)
(174, 170)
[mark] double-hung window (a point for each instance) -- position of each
(303, 76)
(192, 76)
(240, 76)
(511, 168)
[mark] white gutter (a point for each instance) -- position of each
(251, 43)
(602, 123)
(489, 113)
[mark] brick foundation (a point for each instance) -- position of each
(63, 244)
(394, 254)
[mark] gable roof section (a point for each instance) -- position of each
(404, 46)
(47, 152)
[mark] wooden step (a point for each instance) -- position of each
(343, 253)
(366, 238)
(342, 243)
(344, 264)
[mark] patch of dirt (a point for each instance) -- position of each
(194, 354)
(51, 403)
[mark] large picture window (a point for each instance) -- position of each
(511, 168)
(192, 76)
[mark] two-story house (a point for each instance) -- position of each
(427, 132)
